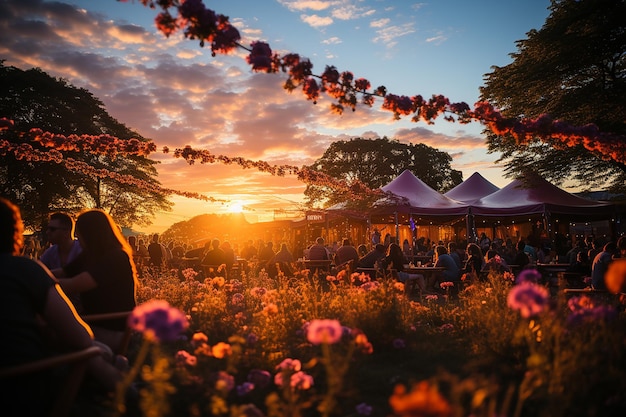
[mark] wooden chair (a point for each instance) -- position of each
(95, 318)
(76, 363)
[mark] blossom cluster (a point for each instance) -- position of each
(158, 321)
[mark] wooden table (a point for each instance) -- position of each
(430, 273)
(315, 265)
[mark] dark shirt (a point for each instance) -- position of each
(396, 262)
(156, 253)
(215, 257)
(522, 259)
(474, 264)
(452, 271)
(24, 286)
(266, 254)
(318, 253)
(345, 254)
(115, 290)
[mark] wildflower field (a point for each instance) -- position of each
(345, 345)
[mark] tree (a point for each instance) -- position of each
(33, 99)
(375, 163)
(573, 69)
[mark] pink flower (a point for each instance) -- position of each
(301, 381)
(185, 358)
(158, 321)
(529, 298)
(289, 364)
(324, 331)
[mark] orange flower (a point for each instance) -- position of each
(423, 400)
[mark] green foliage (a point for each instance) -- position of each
(376, 162)
(33, 99)
(573, 69)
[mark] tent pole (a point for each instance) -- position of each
(397, 227)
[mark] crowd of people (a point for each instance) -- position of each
(89, 268)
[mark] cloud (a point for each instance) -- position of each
(389, 35)
(380, 23)
(299, 5)
(316, 21)
(437, 40)
(332, 41)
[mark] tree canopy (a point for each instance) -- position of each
(573, 69)
(375, 163)
(34, 100)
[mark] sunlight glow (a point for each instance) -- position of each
(235, 207)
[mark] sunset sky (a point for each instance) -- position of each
(173, 92)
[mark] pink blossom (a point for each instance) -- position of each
(290, 364)
(158, 321)
(529, 298)
(324, 331)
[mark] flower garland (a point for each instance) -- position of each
(199, 22)
(113, 147)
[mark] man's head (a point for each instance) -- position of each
(320, 241)
(60, 228)
(11, 228)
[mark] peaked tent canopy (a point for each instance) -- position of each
(537, 196)
(472, 189)
(416, 197)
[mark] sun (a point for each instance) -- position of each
(235, 207)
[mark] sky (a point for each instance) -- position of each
(174, 92)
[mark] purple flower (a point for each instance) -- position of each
(324, 331)
(158, 321)
(252, 338)
(530, 299)
(244, 388)
(399, 343)
(237, 299)
(583, 309)
(259, 378)
(364, 409)
(529, 275)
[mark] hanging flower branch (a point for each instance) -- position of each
(26, 152)
(111, 146)
(198, 22)
(96, 144)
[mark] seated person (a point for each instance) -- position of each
(582, 265)
(395, 260)
(104, 274)
(39, 322)
(318, 251)
(282, 260)
(445, 260)
(495, 263)
(346, 253)
(601, 264)
(372, 257)
(215, 256)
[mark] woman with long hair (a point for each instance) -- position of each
(104, 274)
